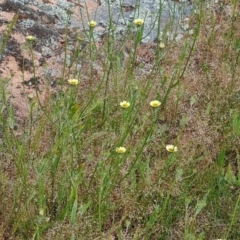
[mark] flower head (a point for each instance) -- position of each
(30, 38)
(92, 24)
(139, 22)
(171, 148)
(161, 45)
(124, 104)
(121, 149)
(73, 81)
(155, 103)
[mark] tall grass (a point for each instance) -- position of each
(62, 176)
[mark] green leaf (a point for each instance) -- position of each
(236, 124)
(221, 158)
(84, 207)
(11, 123)
(153, 217)
(75, 108)
(193, 100)
(183, 121)
(237, 45)
(209, 107)
(229, 175)
(55, 164)
(178, 175)
(74, 211)
(201, 204)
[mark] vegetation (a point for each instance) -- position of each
(93, 159)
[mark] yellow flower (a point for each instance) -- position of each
(121, 149)
(124, 104)
(139, 21)
(92, 24)
(155, 103)
(161, 45)
(171, 148)
(73, 81)
(30, 38)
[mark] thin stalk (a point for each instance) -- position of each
(65, 49)
(146, 139)
(233, 218)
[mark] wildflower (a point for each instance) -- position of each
(124, 104)
(30, 38)
(171, 148)
(161, 45)
(120, 149)
(139, 22)
(155, 103)
(73, 81)
(92, 24)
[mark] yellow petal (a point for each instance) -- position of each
(155, 103)
(120, 149)
(73, 81)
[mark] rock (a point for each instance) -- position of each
(47, 19)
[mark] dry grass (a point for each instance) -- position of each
(146, 193)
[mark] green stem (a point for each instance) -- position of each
(233, 217)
